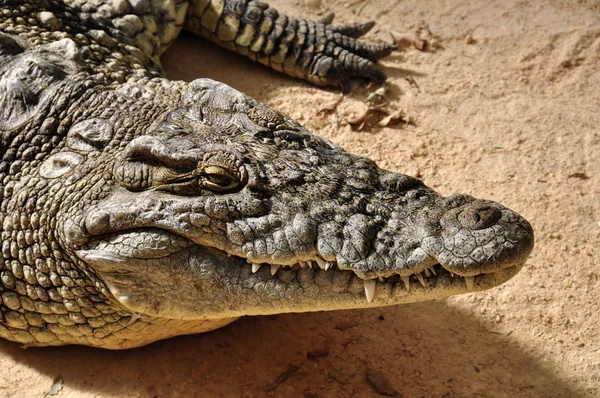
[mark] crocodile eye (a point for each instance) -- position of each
(219, 179)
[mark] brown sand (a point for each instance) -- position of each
(507, 107)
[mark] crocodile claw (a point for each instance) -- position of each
(344, 57)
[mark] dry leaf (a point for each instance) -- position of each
(377, 95)
(378, 116)
(56, 386)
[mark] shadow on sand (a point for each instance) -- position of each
(424, 349)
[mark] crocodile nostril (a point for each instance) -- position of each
(475, 216)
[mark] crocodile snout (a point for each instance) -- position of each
(480, 236)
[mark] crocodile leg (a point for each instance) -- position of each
(313, 50)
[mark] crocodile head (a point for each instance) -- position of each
(223, 207)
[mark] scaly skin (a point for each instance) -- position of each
(310, 50)
(134, 208)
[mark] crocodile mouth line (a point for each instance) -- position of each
(426, 278)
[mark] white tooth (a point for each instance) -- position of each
(309, 263)
(304, 265)
(370, 289)
(255, 268)
(321, 262)
(381, 279)
(470, 281)
(420, 278)
(274, 268)
(432, 270)
(406, 281)
(328, 265)
(428, 273)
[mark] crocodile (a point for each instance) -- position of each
(135, 208)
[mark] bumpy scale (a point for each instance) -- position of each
(134, 208)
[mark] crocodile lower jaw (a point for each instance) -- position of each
(435, 276)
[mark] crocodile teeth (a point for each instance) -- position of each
(420, 278)
(381, 279)
(470, 281)
(428, 273)
(406, 281)
(274, 268)
(255, 268)
(303, 264)
(432, 270)
(370, 289)
(321, 262)
(328, 265)
(309, 264)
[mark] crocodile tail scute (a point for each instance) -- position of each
(312, 50)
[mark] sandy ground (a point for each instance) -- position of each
(506, 106)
